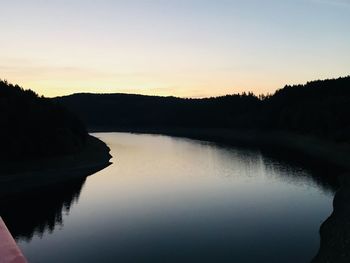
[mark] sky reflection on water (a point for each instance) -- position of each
(167, 199)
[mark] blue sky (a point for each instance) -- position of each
(187, 48)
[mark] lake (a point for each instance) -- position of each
(167, 199)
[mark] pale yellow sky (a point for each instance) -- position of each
(180, 48)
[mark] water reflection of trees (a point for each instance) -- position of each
(287, 166)
(335, 230)
(293, 167)
(41, 211)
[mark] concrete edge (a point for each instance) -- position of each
(9, 251)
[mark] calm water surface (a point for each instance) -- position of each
(167, 199)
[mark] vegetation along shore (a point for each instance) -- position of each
(42, 143)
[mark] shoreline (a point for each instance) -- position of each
(335, 230)
(308, 149)
(17, 178)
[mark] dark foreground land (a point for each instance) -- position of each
(335, 231)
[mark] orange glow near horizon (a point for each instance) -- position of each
(205, 85)
(194, 81)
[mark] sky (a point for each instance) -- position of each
(186, 48)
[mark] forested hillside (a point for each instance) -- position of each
(34, 127)
(320, 108)
(124, 110)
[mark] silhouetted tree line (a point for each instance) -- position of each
(320, 108)
(33, 126)
(128, 111)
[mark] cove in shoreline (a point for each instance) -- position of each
(307, 149)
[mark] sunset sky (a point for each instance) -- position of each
(187, 48)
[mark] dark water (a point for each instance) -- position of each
(175, 200)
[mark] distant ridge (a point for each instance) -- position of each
(319, 108)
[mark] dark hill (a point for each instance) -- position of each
(129, 111)
(319, 108)
(33, 127)
(42, 144)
